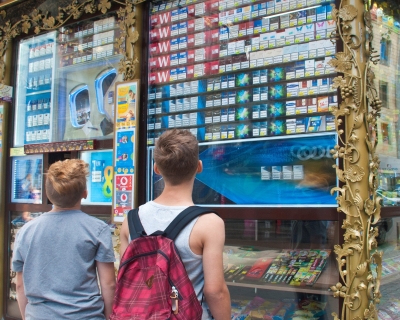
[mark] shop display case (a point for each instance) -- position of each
(238, 69)
(252, 80)
(66, 83)
(280, 269)
(35, 88)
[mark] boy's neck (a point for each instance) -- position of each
(180, 195)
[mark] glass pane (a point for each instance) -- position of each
(65, 85)
(389, 243)
(27, 179)
(100, 180)
(18, 220)
(387, 75)
(35, 89)
(252, 81)
(263, 172)
(281, 267)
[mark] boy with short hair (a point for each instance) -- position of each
(57, 256)
(201, 242)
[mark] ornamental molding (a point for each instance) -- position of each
(356, 124)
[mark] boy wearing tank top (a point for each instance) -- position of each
(201, 242)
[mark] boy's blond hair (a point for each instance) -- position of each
(66, 182)
(176, 155)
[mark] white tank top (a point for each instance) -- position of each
(156, 217)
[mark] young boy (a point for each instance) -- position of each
(201, 242)
(56, 256)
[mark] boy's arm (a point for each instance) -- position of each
(107, 284)
(215, 289)
(21, 298)
(123, 237)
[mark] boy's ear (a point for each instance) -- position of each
(85, 194)
(156, 169)
(199, 167)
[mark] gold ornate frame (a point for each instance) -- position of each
(355, 119)
(356, 124)
(38, 22)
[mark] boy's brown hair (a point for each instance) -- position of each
(66, 181)
(176, 154)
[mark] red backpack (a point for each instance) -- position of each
(152, 282)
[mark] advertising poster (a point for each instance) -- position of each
(126, 102)
(123, 195)
(100, 181)
(125, 144)
(126, 107)
(27, 179)
(290, 171)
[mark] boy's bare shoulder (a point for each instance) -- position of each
(210, 220)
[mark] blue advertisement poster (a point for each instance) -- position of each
(27, 179)
(289, 171)
(100, 181)
(124, 151)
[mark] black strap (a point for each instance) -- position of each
(183, 219)
(136, 229)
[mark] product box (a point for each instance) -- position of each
(263, 110)
(276, 109)
(313, 87)
(255, 114)
(243, 79)
(312, 105)
(264, 93)
(301, 106)
(292, 89)
(243, 96)
(224, 115)
(256, 94)
(208, 116)
(276, 74)
(242, 113)
(290, 126)
(301, 125)
(217, 99)
(276, 172)
(243, 131)
(323, 104)
(216, 116)
(330, 122)
(321, 13)
(259, 268)
(303, 88)
(276, 127)
(316, 124)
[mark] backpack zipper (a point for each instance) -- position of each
(174, 289)
(138, 256)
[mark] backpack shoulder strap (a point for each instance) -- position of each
(182, 220)
(136, 229)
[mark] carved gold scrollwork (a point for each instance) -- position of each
(38, 22)
(356, 119)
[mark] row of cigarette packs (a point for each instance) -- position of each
(257, 111)
(241, 130)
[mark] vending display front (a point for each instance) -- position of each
(252, 80)
(65, 83)
(249, 80)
